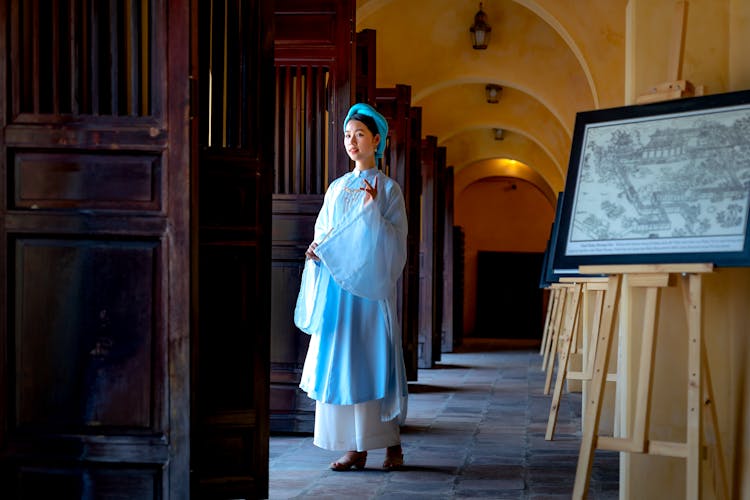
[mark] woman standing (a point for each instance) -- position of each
(355, 366)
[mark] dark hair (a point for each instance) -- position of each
(368, 121)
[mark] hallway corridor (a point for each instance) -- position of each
(475, 429)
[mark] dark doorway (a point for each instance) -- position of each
(509, 300)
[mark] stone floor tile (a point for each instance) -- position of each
(475, 429)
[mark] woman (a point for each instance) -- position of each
(355, 365)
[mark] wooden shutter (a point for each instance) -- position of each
(446, 339)
(394, 104)
(458, 285)
(94, 288)
(366, 69)
(314, 59)
(430, 297)
(438, 229)
(233, 177)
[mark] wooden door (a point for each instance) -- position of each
(365, 67)
(94, 228)
(446, 339)
(459, 291)
(232, 177)
(430, 274)
(395, 104)
(414, 237)
(509, 300)
(314, 63)
(438, 251)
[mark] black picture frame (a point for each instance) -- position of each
(543, 282)
(660, 183)
(548, 275)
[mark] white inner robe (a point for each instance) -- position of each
(354, 367)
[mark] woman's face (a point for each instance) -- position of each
(359, 142)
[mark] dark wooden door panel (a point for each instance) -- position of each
(229, 336)
(404, 129)
(427, 276)
(94, 235)
(314, 59)
(233, 178)
(366, 67)
(88, 335)
(72, 483)
(438, 230)
(446, 339)
(458, 285)
(288, 357)
(85, 180)
(509, 300)
(413, 242)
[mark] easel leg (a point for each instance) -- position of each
(548, 319)
(715, 436)
(646, 371)
(554, 328)
(562, 365)
(590, 356)
(692, 293)
(593, 406)
(694, 389)
(565, 304)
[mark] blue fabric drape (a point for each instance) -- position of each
(347, 301)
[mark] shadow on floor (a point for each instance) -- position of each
(473, 430)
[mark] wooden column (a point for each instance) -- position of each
(314, 51)
(395, 104)
(446, 338)
(429, 339)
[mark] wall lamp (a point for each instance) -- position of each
(492, 92)
(480, 30)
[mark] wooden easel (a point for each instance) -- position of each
(653, 278)
(674, 87)
(558, 296)
(573, 322)
(560, 311)
(553, 293)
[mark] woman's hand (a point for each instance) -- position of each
(310, 253)
(371, 191)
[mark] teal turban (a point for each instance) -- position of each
(360, 110)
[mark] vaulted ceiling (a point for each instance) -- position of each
(552, 58)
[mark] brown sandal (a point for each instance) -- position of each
(350, 459)
(394, 459)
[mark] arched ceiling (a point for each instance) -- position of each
(553, 58)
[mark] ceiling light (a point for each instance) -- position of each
(480, 30)
(492, 92)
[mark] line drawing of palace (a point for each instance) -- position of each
(679, 182)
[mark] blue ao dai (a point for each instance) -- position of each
(347, 301)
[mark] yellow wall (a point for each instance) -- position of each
(715, 55)
(739, 41)
(496, 217)
(556, 58)
(553, 58)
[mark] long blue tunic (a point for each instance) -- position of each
(347, 301)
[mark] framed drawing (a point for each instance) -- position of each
(548, 274)
(543, 281)
(661, 183)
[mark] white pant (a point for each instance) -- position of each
(353, 427)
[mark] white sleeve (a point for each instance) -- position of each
(367, 254)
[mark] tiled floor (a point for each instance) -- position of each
(475, 429)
